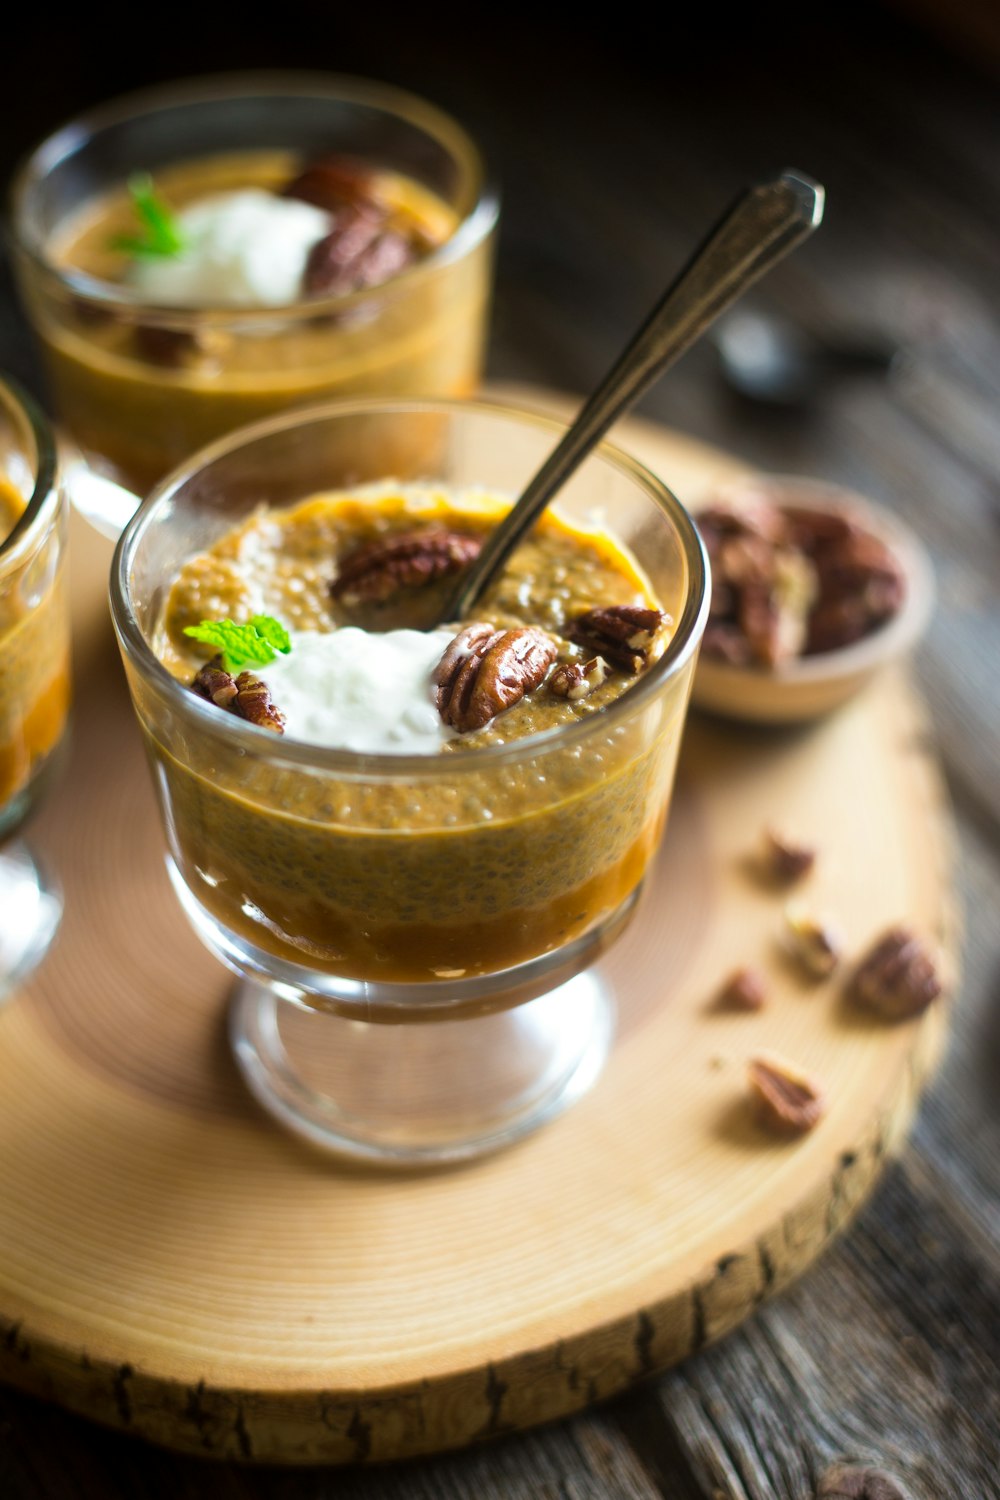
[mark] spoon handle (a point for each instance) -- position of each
(759, 229)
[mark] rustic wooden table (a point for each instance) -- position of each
(888, 1350)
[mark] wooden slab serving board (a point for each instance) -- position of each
(172, 1263)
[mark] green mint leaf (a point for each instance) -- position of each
(242, 646)
(273, 632)
(161, 234)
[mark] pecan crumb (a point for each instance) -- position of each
(744, 990)
(787, 859)
(859, 1482)
(578, 679)
(813, 942)
(253, 703)
(785, 1096)
(485, 670)
(377, 570)
(213, 682)
(897, 977)
(624, 634)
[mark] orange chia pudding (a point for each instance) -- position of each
(528, 824)
(34, 657)
(145, 378)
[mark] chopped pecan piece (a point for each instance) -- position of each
(897, 978)
(358, 252)
(245, 695)
(253, 702)
(786, 1097)
(624, 634)
(485, 670)
(744, 990)
(379, 569)
(813, 942)
(213, 682)
(787, 860)
(578, 679)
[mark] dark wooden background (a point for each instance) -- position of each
(617, 143)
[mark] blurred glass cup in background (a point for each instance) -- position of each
(34, 670)
(139, 386)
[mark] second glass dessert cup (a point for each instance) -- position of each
(34, 672)
(139, 385)
(415, 935)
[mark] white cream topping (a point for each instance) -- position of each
(351, 689)
(246, 248)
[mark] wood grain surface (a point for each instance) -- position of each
(615, 147)
(171, 1263)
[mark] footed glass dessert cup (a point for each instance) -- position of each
(139, 383)
(415, 935)
(34, 672)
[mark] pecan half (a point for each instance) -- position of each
(213, 682)
(358, 252)
(859, 1482)
(578, 679)
(379, 569)
(786, 1097)
(897, 978)
(744, 990)
(485, 670)
(624, 634)
(253, 702)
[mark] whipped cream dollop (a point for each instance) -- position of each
(352, 689)
(246, 248)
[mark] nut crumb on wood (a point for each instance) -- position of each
(744, 990)
(786, 1097)
(787, 859)
(813, 941)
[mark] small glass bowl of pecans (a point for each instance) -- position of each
(814, 590)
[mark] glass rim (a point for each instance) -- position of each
(289, 83)
(45, 486)
(318, 758)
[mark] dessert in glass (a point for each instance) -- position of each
(200, 255)
(34, 671)
(411, 840)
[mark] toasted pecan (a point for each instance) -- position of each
(787, 1098)
(379, 569)
(624, 634)
(213, 682)
(484, 671)
(897, 977)
(253, 702)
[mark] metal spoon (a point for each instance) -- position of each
(761, 227)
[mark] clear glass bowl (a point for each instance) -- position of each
(361, 894)
(34, 670)
(138, 386)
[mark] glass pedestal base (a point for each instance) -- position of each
(427, 1092)
(30, 908)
